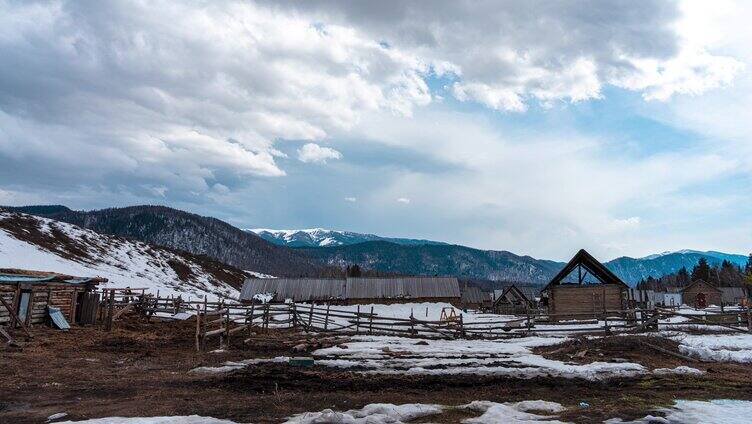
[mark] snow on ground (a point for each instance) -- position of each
(375, 413)
(723, 411)
(124, 262)
(513, 358)
(716, 346)
(682, 369)
(385, 413)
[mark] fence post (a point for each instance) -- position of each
(266, 318)
(412, 322)
(198, 328)
(110, 306)
(203, 324)
(357, 321)
(310, 316)
(749, 318)
(370, 321)
(326, 320)
(462, 326)
(227, 329)
(294, 316)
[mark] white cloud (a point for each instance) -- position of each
(180, 94)
(507, 55)
(404, 200)
(351, 199)
(312, 152)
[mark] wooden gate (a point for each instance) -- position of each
(88, 307)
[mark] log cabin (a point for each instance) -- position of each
(593, 291)
(28, 294)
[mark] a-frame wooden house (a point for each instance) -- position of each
(594, 291)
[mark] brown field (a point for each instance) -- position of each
(141, 369)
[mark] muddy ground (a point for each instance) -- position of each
(141, 369)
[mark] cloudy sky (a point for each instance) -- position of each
(538, 127)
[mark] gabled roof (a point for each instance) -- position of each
(703, 282)
(512, 293)
(591, 265)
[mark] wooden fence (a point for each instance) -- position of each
(222, 320)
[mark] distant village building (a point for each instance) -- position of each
(474, 298)
(355, 290)
(514, 300)
(700, 294)
(585, 298)
(29, 294)
(733, 295)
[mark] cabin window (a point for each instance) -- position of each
(24, 304)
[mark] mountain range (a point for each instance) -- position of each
(319, 237)
(320, 252)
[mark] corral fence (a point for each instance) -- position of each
(222, 321)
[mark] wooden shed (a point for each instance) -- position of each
(584, 289)
(514, 300)
(277, 290)
(701, 294)
(26, 296)
(474, 298)
(403, 290)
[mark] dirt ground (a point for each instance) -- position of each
(141, 369)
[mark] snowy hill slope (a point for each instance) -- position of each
(320, 237)
(35, 243)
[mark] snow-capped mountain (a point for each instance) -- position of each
(41, 244)
(319, 237)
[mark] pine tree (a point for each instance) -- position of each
(682, 277)
(701, 271)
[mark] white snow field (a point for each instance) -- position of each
(715, 347)
(386, 413)
(68, 249)
(513, 358)
(721, 411)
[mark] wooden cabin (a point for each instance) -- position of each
(474, 298)
(29, 293)
(701, 294)
(584, 289)
(514, 300)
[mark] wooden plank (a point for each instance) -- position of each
(14, 318)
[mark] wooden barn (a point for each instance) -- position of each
(298, 289)
(514, 300)
(700, 295)
(474, 298)
(403, 290)
(26, 295)
(352, 290)
(593, 291)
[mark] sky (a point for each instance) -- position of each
(538, 127)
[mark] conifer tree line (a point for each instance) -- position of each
(725, 274)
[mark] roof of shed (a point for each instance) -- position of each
(591, 265)
(474, 295)
(297, 289)
(403, 287)
(13, 276)
(700, 282)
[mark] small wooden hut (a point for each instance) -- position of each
(514, 300)
(594, 291)
(474, 298)
(26, 295)
(701, 294)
